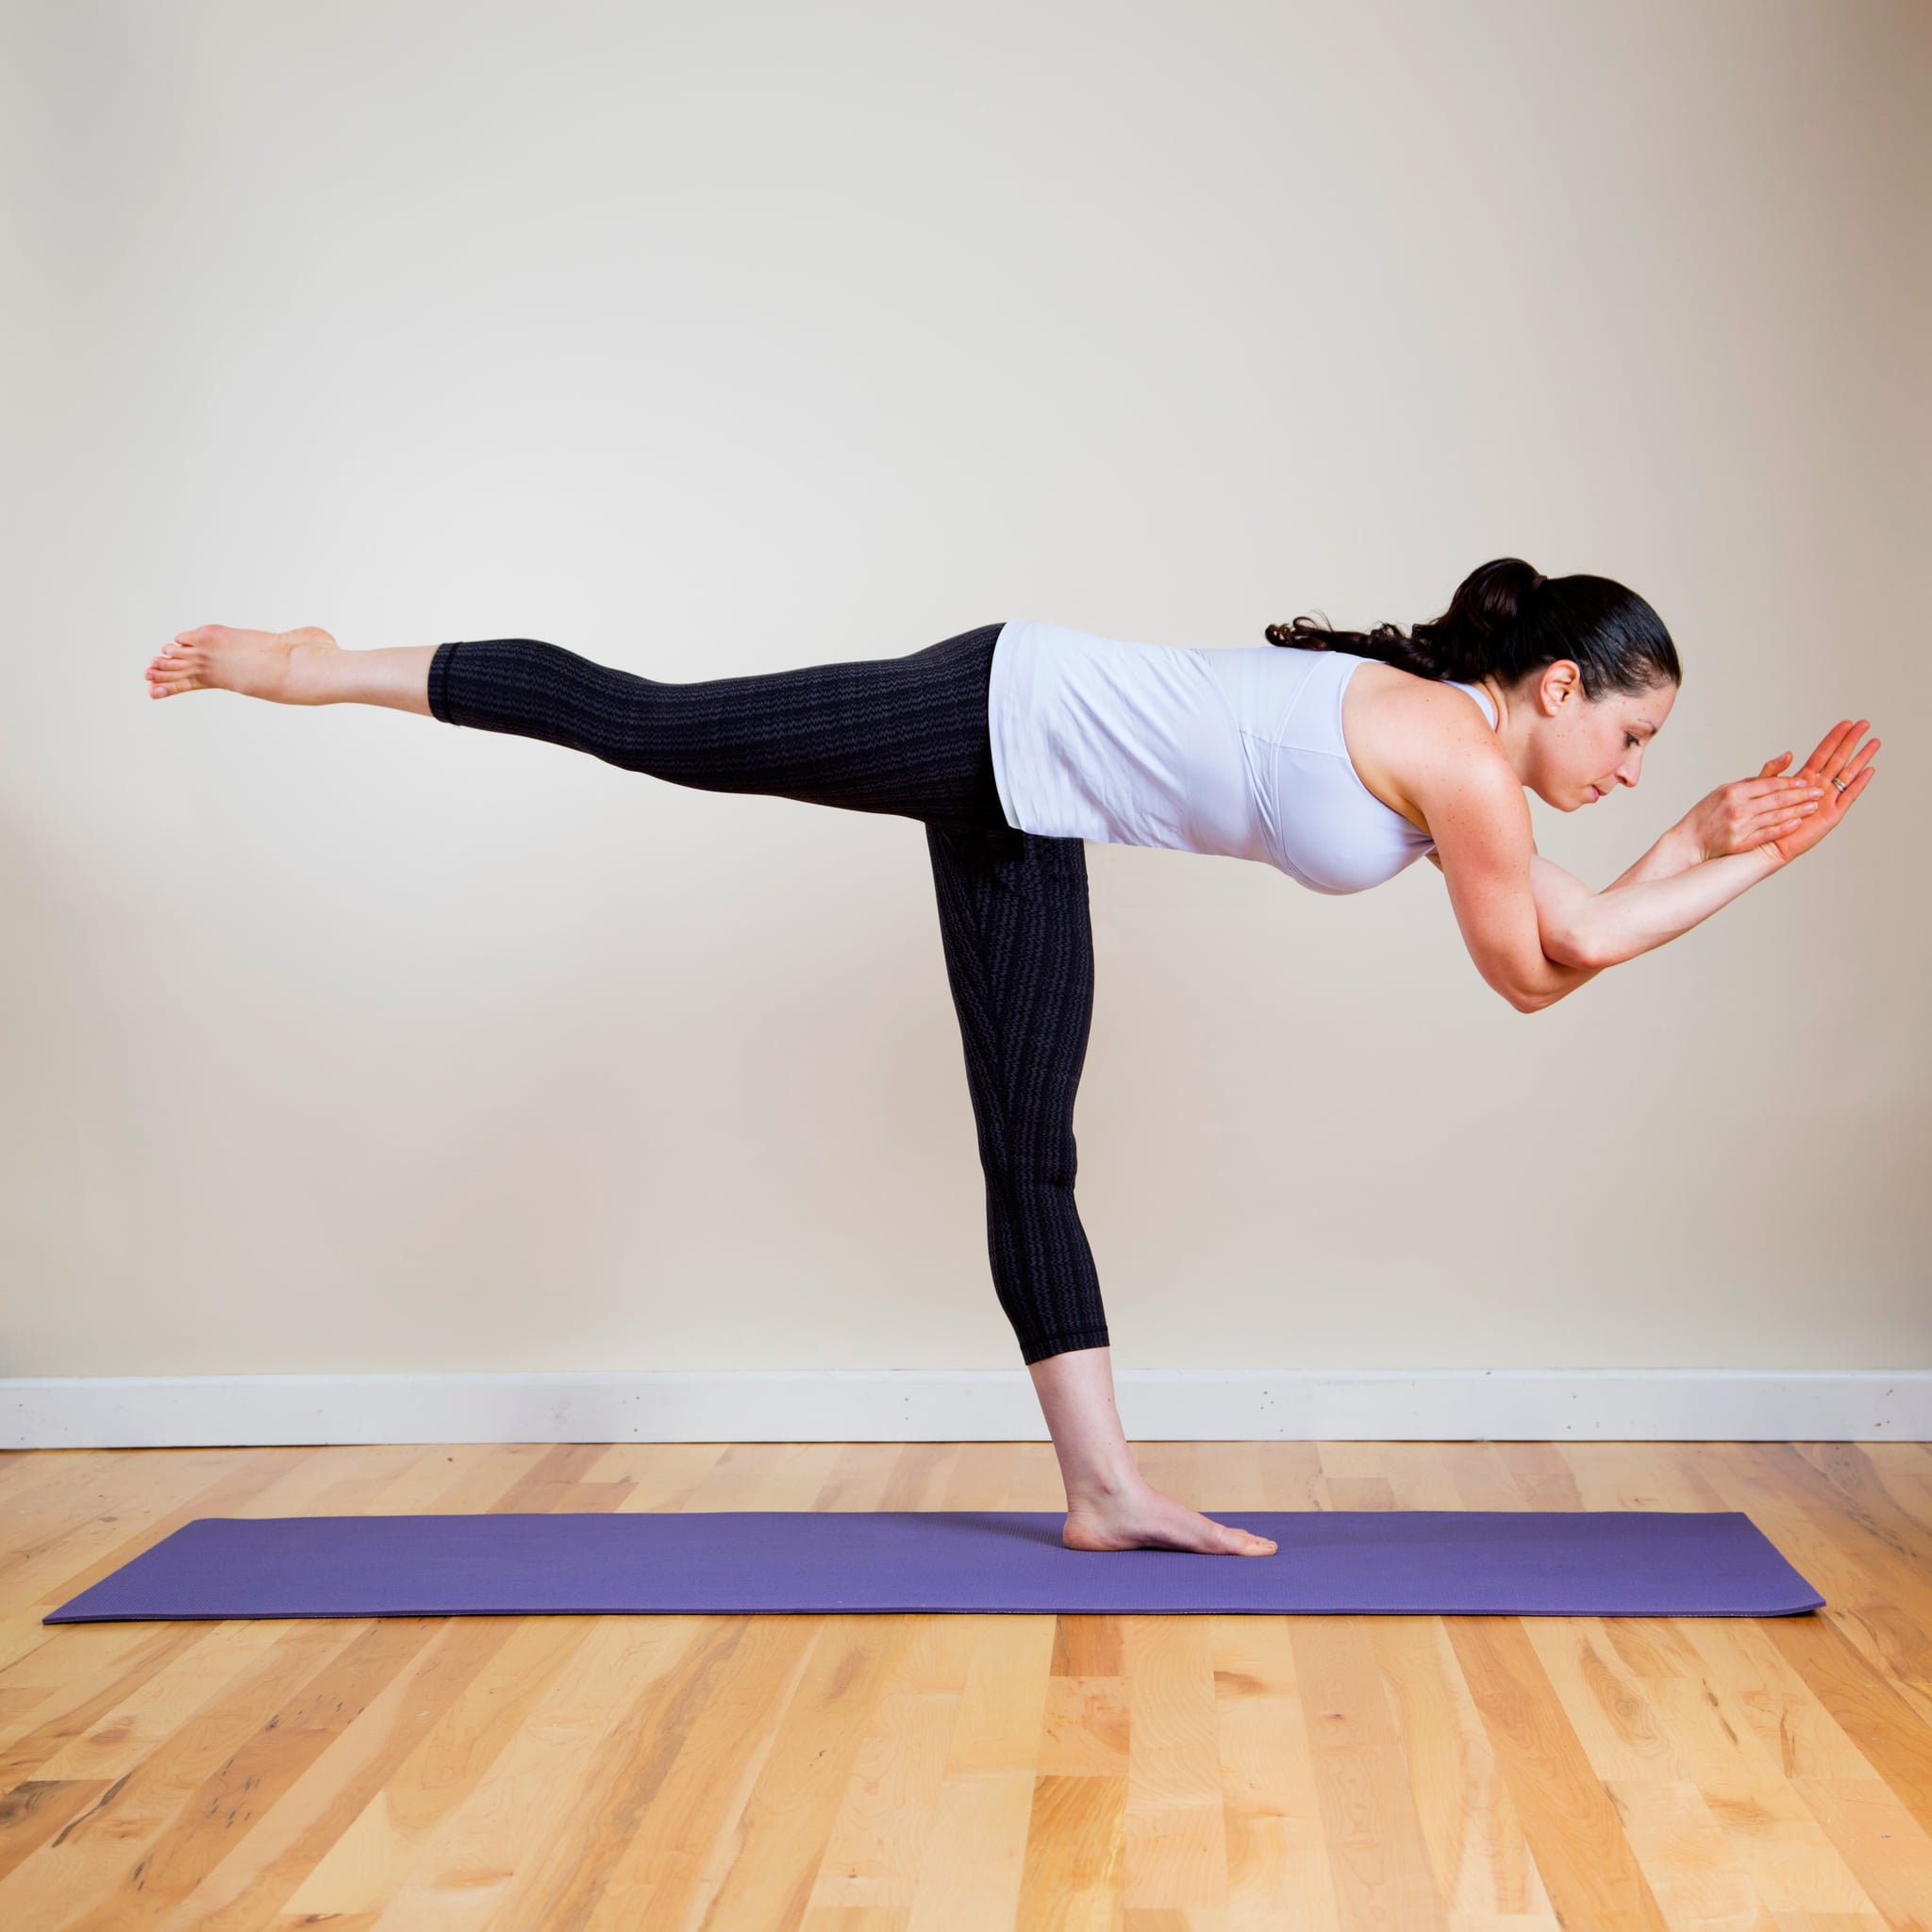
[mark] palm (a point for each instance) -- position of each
(1833, 759)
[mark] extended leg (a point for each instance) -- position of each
(902, 735)
(905, 735)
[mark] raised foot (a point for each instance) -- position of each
(1146, 1520)
(256, 663)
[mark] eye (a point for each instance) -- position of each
(1628, 739)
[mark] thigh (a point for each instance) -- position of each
(907, 735)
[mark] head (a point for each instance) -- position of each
(1583, 671)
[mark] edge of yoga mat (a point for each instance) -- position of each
(1509, 1563)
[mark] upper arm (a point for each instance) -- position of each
(1511, 904)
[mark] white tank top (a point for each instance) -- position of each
(1238, 753)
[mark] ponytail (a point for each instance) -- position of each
(1506, 621)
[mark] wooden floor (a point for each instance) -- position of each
(871, 1773)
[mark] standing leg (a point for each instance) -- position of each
(1019, 948)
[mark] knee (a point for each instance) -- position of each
(1035, 1164)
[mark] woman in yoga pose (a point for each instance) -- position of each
(1339, 758)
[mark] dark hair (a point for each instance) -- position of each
(1506, 621)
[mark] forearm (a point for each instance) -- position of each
(1674, 853)
(1638, 914)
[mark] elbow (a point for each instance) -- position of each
(1565, 947)
(1524, 998)
(1565, 976)
(1531, 993)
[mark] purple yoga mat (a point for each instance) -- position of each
(1408, 1563)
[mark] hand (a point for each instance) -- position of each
(1742, 815)
(1834, 759)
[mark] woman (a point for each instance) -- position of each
(1015, 742)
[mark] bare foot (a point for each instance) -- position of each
(1143, 1519)
(256, 663)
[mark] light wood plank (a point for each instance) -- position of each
(857, 1774)
(1589, 1866)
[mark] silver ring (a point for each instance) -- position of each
(1840, 783)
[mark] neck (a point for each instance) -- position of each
(1505, 725)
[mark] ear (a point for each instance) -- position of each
(1563, 680)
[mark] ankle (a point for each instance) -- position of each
(1105, 1488)
(310, 675)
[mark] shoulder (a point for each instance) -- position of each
(1469, 794)
(1432, 700)
(1430, 725)
(1423, 742)
(1390, 689)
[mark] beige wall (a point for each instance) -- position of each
(725, 338)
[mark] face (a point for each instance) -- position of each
(1582, 749)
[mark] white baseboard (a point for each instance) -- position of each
(974, 1405)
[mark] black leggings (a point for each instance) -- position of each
(907, 735)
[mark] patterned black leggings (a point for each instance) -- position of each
(907, 735)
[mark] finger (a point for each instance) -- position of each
(1844, 790)
(1787, 808)
(1771, 766)
(1861, 758)
(1750, 797)
(1835, 764)
(1827, 745)
(1842, 801)
(1838, 746)
(1783, 798)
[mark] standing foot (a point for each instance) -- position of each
(1143, 1519)
(276, 665)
